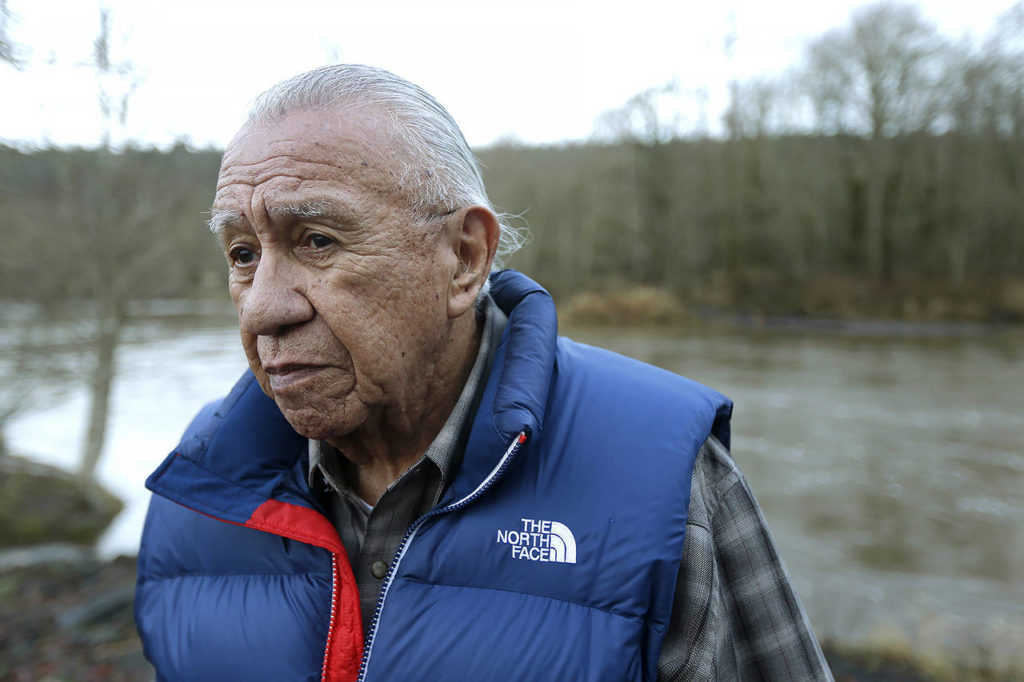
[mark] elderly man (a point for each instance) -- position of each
(418, 480)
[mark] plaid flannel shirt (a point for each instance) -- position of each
(735, 615)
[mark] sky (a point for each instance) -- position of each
(536, 71)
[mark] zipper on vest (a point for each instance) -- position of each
(488, 481)
(334, 616)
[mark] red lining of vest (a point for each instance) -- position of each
(344, 651)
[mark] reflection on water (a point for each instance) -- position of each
(166, 371)
(891, 470)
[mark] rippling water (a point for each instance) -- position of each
(891, 471)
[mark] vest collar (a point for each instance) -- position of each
(515, 397)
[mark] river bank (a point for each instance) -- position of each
(70, 621)
(859, 311)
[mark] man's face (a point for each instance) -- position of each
(341, 292)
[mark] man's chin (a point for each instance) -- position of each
(313, 423)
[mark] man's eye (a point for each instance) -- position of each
(319, 241)
(240, 255)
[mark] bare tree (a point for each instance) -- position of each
(19, 357)
(1005, 51)
(8, 50)
(877, 77)
(756, 108)
(645, 127)
(108, 204)
(87, 233)
(643, 119)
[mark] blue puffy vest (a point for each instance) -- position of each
(553, 555)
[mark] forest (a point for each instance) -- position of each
(883, 176)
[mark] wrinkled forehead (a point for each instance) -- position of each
(341, 131)
(348, 145)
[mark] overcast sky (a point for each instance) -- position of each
(537, 70)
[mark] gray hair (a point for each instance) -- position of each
(439, 174)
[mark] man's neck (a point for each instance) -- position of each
(384, 448)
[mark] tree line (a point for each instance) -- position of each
(787, 224)
(883, 175)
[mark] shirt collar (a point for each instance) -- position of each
(447, 448)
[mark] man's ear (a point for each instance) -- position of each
(476, 242)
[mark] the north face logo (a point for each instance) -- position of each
(541, 541)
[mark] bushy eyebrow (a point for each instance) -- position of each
(313, 210)
(306, 210)
(221, 220)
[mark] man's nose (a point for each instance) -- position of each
(274, 300)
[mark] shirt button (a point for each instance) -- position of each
(379, 569)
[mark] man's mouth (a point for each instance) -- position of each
(284, 376)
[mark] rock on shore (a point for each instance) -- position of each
(43, 504)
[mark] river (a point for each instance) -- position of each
(890, 467)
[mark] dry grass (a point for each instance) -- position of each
(631, 306)
(924, 653)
